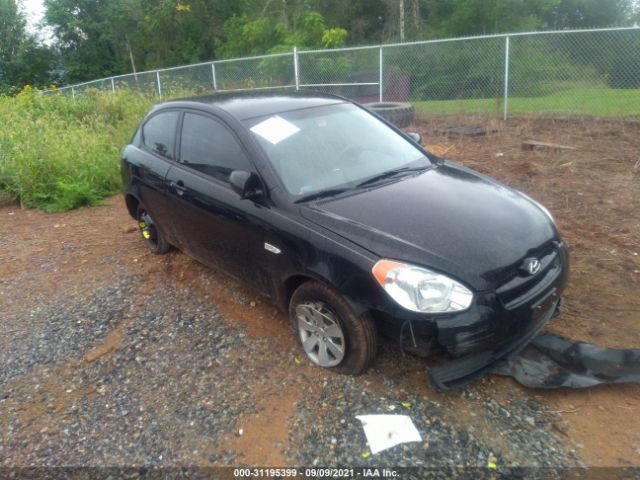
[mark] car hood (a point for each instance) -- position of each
(449, 218)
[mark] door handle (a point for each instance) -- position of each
(178, 187)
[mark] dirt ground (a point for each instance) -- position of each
(592, 190)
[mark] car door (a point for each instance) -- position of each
(211, 222)
(149, 159)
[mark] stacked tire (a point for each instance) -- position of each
(400, 114)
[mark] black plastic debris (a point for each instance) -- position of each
(458, 131)
(552, 361)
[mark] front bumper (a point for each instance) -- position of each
(462, 371)
(519, 311)
(499, 324)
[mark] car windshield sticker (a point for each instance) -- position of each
(275, 129)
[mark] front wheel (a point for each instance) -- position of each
(152, 236)
(330, 334)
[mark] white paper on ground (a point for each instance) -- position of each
(385, 431)
(275, 129)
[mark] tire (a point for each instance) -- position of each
(150, 233)
(359, 336)
(400, 114)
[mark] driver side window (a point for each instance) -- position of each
(207, 146)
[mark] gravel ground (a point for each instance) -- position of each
(178, 378)
(337, 438)
(114, 357)
(170, 379)
(131, 363)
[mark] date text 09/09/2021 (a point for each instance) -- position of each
(315, 472)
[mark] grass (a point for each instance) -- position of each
(57, 153)
(595, 102)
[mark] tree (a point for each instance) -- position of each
(93, 35)
(469, 17)
(181, 32)
(454, 18)
(588, 13)
(99, 38)
(363, 19)
(269, 34)
(22, 59)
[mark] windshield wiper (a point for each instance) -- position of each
(330, 192)
(391, 173)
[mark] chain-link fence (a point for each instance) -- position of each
(573, 72)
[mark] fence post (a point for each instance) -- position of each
(113, 86)
(296, 67)
(213, 76)
(380, 78)
(506, 77)
(159, 87)
(73, 93)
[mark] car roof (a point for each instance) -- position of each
(245, 105)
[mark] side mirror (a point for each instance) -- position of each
(416, 137)
(245, 184)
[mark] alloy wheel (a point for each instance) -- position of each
(320, 333)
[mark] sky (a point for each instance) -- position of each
(34, 11)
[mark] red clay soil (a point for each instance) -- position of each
(594, 194)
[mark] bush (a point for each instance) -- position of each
(57, 153)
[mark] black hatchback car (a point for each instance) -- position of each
(348, 224)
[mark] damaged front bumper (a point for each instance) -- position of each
(462, 371)
(505, 322)
(498, 326)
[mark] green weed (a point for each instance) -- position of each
(57, 153)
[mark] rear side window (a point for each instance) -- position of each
(209, 147)
(158, 134)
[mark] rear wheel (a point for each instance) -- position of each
(152, 236)
(330, 334)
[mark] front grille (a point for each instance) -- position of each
(522, 287)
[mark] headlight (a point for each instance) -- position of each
(421, 290)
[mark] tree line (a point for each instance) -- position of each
(99, 38)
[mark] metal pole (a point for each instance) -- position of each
(506, 77)
(113, 85)
(159, 87)
(295, 67)
(380, 77)
(213, 75)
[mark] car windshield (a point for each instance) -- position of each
(332, 148)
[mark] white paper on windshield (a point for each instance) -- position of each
(386, 431)
(275, 129)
